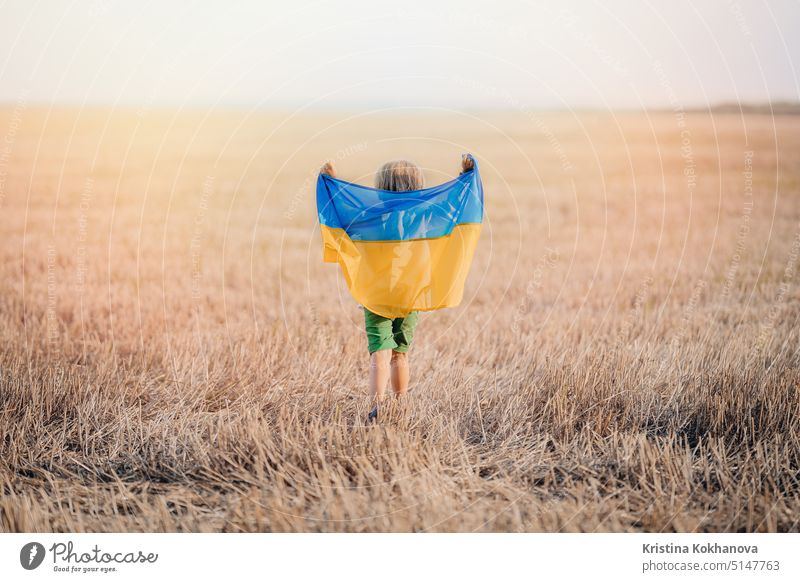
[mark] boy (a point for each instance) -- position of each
(388, 339)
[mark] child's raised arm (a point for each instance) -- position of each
(467, 163)
(327, 168)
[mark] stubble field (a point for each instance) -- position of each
(176, 357)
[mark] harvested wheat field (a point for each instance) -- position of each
(176, 356)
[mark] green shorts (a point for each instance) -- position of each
(389, 334)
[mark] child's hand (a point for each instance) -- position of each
(327, 168)
(467, 163)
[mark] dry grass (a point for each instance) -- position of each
(175, 356)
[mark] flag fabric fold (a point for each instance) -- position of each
(402, 251)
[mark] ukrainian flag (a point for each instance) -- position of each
(402, 251)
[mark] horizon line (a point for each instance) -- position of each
(782, 106)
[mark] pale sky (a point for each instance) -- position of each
(354, 54)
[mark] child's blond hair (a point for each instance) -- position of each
(399, 176)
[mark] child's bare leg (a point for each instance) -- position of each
(399, 373)
(379, 374)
